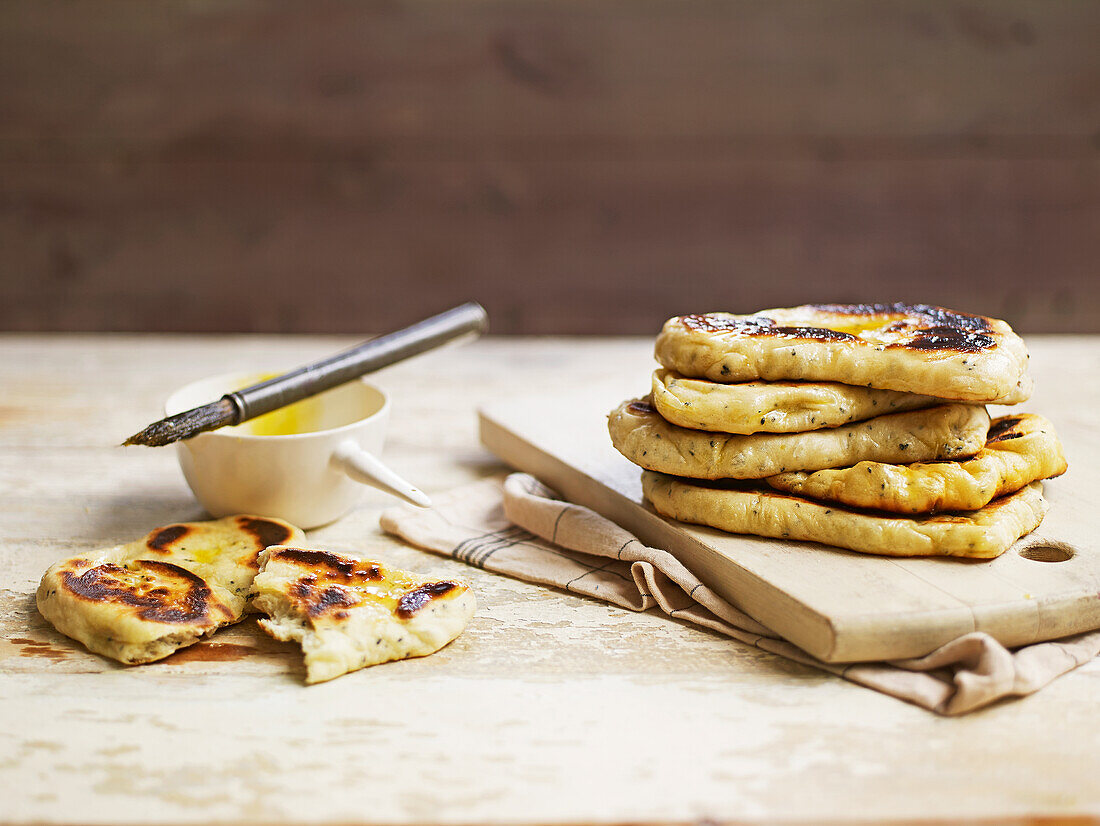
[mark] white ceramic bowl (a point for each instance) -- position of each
(309, 474)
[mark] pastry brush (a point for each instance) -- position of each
(257, 399)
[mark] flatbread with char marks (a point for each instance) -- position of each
(948, 431)
(911, 348)
(139, 602)
(1018, 450)
(739, 508)
(348, 613)
(772, 407)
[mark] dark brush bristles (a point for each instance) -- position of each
(187, 424)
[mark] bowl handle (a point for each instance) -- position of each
(363, 467)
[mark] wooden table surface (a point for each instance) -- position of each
(548, 709)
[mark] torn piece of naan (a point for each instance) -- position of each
(912, 348)
(140, 602)
(348, 613)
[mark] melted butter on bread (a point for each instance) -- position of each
(142, 601)
(348, 613)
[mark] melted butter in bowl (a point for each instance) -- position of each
(334, 408)
(300, 417)
(307, 463)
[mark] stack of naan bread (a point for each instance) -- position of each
(859, 426)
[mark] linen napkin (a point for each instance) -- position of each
(515, 525)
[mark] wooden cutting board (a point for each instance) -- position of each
(838, 605)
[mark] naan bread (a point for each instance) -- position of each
(949, 431)
(737, 508)
(348, 613)
(140, 602)
(1019, 450)
(915, 349)
(772, 407)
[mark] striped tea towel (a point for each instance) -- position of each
(517, 526)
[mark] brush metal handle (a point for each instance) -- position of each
(373, 355)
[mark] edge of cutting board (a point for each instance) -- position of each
(610, 486)
(816, 633)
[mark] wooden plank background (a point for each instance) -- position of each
(578, 166)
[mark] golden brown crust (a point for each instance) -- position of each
(410, 603)
(1018, 450)
(741, 508)
(919, 327)
(148, 589)
(266, 532)
(162, 539)
(944, 432)
(911, 348)
(772, 406)
(141, 601)
(331, 566)
(334, 583)
(349, 613)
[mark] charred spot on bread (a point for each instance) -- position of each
(161, 591)
(1005, 428)
(948, 338)
(412, 601)
(337, 583)
(814, 333)
(163, 538)
(934, 316)
(351, 570)
(316, 601)
(933, 328)
(265, 531)
(761, 326)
